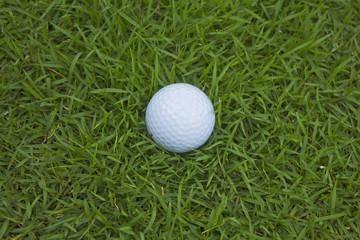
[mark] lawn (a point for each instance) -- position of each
(76, 160)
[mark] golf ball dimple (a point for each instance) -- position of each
(180, 117)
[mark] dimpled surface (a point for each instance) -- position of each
(180, 117)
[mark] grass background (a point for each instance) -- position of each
(77, 162)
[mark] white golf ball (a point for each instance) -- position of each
(180, 117)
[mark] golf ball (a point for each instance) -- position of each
(180, 117)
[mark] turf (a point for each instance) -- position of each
(76, 161)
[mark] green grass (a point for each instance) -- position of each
(76, 161)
